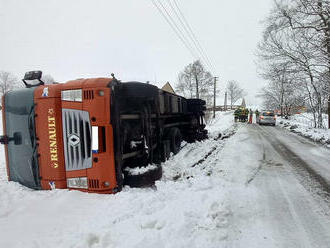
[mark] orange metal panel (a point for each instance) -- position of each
(50, 134)
(50, 138)
(104, 169)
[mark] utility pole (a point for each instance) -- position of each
(225, 104)
(197, 89)
(214, 96)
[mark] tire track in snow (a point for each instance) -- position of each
(227, 134)
(304, 238)
(263, 161)
(311, 180)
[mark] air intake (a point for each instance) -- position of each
(88, 94)
(93, 184)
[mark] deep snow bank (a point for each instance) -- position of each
(302, 124)
(185, 209)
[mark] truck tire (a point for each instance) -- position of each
(202, 135)
(144, 179)
(175, 138)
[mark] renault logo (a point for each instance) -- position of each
(73, 140)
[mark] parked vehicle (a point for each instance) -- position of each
(267, 118)
(90, 134)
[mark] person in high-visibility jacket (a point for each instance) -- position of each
(251, 115)
(257, 116)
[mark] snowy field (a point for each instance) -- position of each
(249, 190)
(187, 208)
(303, 125)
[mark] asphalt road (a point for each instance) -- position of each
(285, 201)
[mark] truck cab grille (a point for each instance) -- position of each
(77, 139)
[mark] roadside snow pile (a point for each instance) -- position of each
(221, 124)
(140, 170)
(186, 208)
(302, 125)
(192, 161)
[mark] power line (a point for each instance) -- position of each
(191, 42)
(186, 29)
(174, 27)
(192, 33)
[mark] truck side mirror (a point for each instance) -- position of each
(17, 138)
(33, 75)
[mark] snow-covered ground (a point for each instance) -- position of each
(303, 125)
(223, 123)
(185, 209)
(271, 195)
(251, 190)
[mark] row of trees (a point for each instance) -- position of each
(196, 82)
(295, 56)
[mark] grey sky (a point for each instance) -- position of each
(85, 38)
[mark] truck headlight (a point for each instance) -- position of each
(95, 139)
(77, 182)
(72, 95)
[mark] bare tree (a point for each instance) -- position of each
(295, 37)
(309, 21)
(47, 79)
(8, 82)
(196, 81)
(235, 92)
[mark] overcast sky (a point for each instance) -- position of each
(84, 38)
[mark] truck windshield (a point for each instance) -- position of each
(22, 157)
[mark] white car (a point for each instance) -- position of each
(267, 118)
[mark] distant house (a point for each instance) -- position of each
(299, 109)
(167, 87)
(291, 110)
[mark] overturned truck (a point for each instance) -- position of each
(94, 135)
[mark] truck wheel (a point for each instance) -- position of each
(175, 138)
(145, 179)
(203, 135)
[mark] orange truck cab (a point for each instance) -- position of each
(89, 134)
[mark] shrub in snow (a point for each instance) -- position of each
(294, 127)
